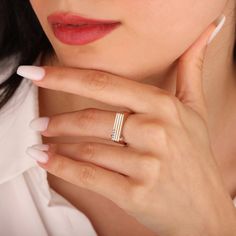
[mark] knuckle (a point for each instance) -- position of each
(59, 166)
(87, 174)
(86, 117)
(56, 124)
(155, 132)
(97, 80)
(59, 74)
(88, 151)
(199, 63)
(170, 105)
(150, 167)
(189, 61)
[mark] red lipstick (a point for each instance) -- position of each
(76, 30)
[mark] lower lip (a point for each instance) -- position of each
(80, 35)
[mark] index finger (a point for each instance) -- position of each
(98, 85)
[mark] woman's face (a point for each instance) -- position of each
(153, 34)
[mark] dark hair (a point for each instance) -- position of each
(22, 34)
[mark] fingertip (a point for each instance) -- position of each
(219, 22)
(31, 72)
(37, 154)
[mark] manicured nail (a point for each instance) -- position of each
(219, 22)
(31, 72)
(37, 154)
(39, 124)
(41, 147)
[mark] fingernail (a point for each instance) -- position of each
(219, 22)
(37, 154)
(39, 124)
(31, 72)
(41, 147)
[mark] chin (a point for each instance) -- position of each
(132, 72)
(89, 66)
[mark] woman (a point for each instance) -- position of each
(154, 64)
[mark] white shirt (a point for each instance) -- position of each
(28, 206)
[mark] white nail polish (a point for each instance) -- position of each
(41, 147)
(31, 72)
(219, 22)
(39, 124)
(37, 155)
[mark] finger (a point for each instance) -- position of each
(124, 160)
(97, 85)
(140, 131)
(111, 185)
(79, 123)
(189, 84)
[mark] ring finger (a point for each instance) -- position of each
(138, 131)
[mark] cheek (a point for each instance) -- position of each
(154, 34)
(164, 29)
(42, 9)
(172, 24)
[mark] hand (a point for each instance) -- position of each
(166, 177)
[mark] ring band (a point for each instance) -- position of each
(117, 128)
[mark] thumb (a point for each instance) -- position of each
(189, 87)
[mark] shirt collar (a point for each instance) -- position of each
(16, 135)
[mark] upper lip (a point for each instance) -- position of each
(66, 18)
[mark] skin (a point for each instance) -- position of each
(149, 29)
(162, 46)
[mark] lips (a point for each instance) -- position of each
(72, 19)
(76, 30)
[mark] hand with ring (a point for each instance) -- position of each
(165, 175)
